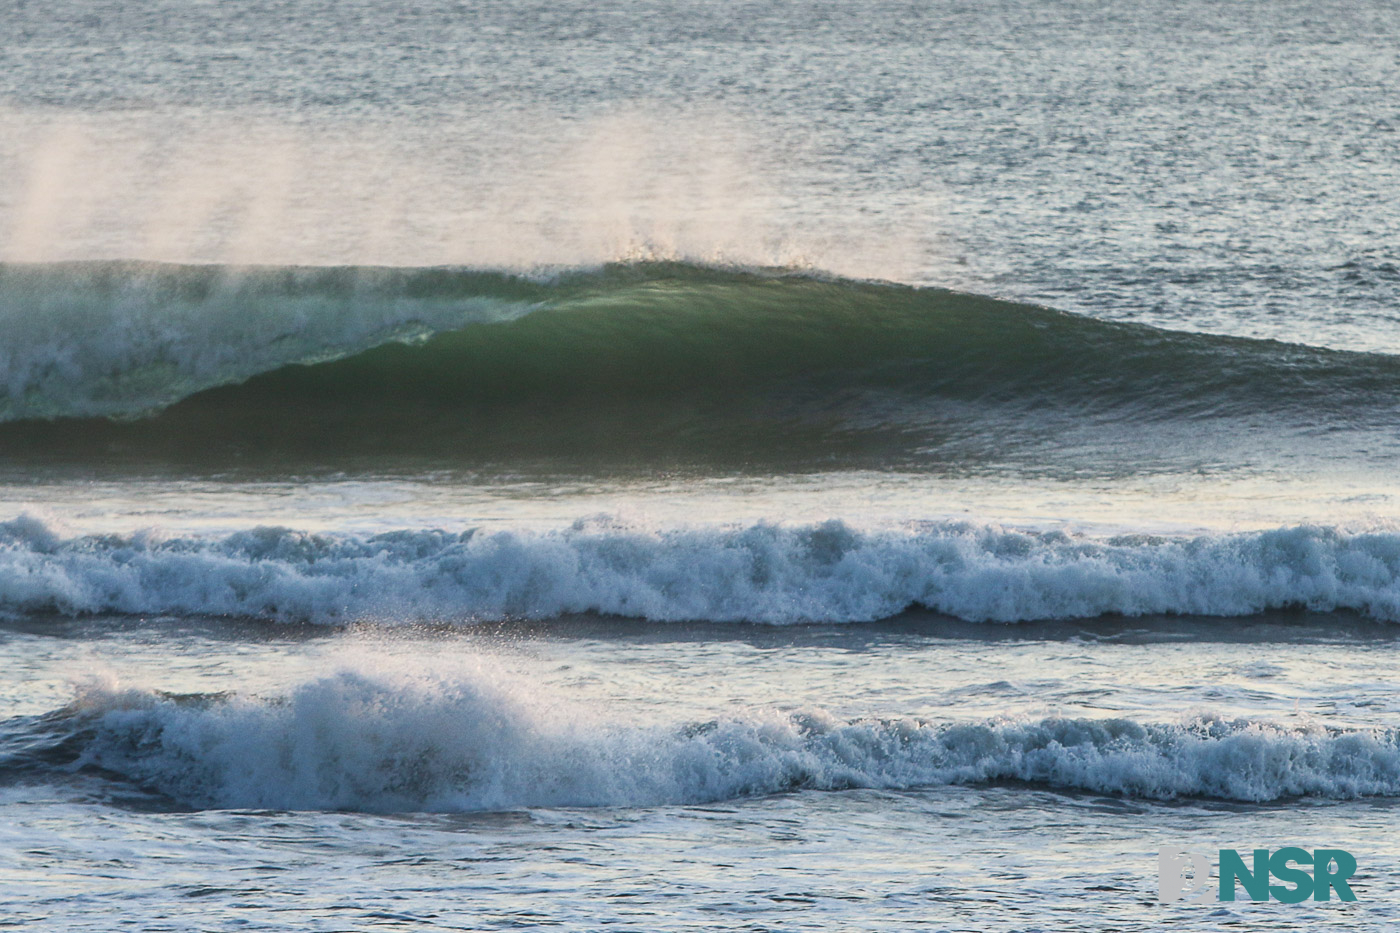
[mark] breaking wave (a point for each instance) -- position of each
(640, 359)
(771, 573)
(353, 741)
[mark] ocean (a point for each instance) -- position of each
(669, 465)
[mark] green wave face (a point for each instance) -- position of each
(640, 364)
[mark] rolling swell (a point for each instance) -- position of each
(648, 361)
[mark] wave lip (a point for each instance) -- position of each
(350, 741)
(826, 572)
(128, 339)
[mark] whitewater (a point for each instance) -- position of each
(666, 466)
(763, 573)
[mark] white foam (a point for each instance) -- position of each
(390, 743)
(77, 348)
(829, 572)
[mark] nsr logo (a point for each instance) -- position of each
(1331, 870)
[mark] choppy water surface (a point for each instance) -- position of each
(588, 772)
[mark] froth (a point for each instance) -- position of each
(412, 742)
(827, 572)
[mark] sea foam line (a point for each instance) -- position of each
(384, 743)
(772, 573)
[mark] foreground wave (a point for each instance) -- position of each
(356, 742)
(624, 361)
(827, 572)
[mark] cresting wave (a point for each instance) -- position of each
(828, 572)
(648, 358)
(379, 743)
(126, 339)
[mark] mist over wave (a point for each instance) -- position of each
(502, 188)
(393, 742)
(770, 573)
